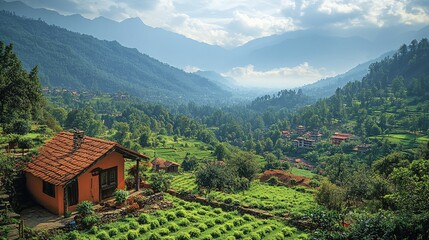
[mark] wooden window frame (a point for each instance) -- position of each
(49, 189)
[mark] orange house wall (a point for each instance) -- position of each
(35, 187)
(88, 185)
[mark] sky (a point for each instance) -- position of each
(232, 23)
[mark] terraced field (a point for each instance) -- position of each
(274, 199)
(188, 220)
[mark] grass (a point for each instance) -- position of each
(301, 172)
(407, 139)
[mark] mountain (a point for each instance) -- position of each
(326, 87)
(334, 51)
(323, 49)
(226, 83)
(392, 97)
(75, 61)
(168, 47)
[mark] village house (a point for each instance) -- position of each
(316, 136)
(162, 164)
(301, 142)
(72, 168)
(300, 129)
(362, 148)
(339, 137)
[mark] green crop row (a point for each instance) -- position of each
(187, 220)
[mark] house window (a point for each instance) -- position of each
(108, 182)
(49, 189)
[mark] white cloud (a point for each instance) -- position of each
(278, 78)
(191, 69)
(231, 23)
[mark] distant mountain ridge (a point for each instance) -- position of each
(320, 48)
(326, 87)
(82, 62)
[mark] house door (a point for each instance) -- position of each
(108, 182)
(72, 193)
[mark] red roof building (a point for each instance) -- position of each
(162, 164)
(72, 168)
(339, 137)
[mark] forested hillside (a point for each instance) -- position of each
(81, 62)
(393, 95)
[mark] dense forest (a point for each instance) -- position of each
(82, 62)
(377, 194)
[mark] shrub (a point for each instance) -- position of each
(219, 220)
(163, 231)
(189, 207)
(181, 213)
(248, 217)
(132, 235)
(227, 200)
(113, 232)
(222, 229)
(162, 220)
(183, 236)
(202, 227)
(143, 218)
(103, 235)
(148, 192)
(144, 229)
(120, 196)
(170, 216)
(273, 181)
(90, 220)
(236, 203)
(155, 236)
(134, 225)
(184, 222)
(279, 236)
(217, 210)
(201, 212)
(207, 237)
(25, 143)
(246, 229)
(255, 236)
(85, 208)
(20, 126)
(124, 228)
(238, 234)
(93, 230)
(154, 224)
(293, 181)
(194, 232)
(216, 233)
(288, 231)
(210, 223)
(228, 216)
(193, 218)
(238, 221)
(73, 235)
(173, 227)
(314, 183)
(229, 226)
(230, 238)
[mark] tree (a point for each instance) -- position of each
(21, 95)
(160, 181)
(210, 175)
(221, 152)
(244, 165)
(331, 196)
(122, 132)
(271, 162)
(189, 163)
(145, 137)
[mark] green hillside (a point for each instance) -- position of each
(81, 62)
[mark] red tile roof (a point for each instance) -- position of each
(162, 163)
(57, 163)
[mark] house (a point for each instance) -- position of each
(339, 137)
(73, 167)
(316, 136)
(362, 148)
(300, 129)
(162, 164)
(301, 142)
